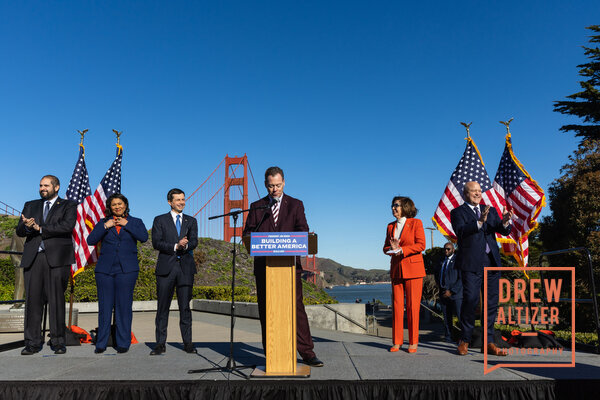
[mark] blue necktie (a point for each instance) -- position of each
(45, 214)
(178, 224)
(46, 210)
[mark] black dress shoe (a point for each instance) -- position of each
(122, 350)
(60, 349)
(29, 350)
(189, 348)
(98, 350)
(314, 362)
(158, 350)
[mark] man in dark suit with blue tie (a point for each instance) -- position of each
(475, 226)
(450, 287)
(47, 257)
(175, 236)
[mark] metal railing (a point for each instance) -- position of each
(346, 317)
(8, 210)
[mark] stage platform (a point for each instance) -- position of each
(356, 366)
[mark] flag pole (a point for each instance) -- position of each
(468, 128)
(72, 279)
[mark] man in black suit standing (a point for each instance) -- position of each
(280, 213)
(475, 226)
(47, 225)
(175, 236)
(451, 291)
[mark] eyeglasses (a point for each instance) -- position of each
(447, 249)
(396, 205)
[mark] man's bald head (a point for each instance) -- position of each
(472, 193)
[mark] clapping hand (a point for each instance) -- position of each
(30, 223)
(182, 243)
(507, 216)
(484, 214)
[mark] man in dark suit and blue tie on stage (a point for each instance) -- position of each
(280, 213)
(47, 257)
(175, 236)
(449, 283)
(475, 226)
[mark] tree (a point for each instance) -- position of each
(575, 195)
(585, 104)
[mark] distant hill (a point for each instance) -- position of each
(335, 273)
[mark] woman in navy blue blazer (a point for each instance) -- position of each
(117, 270)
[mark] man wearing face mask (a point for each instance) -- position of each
(47, 224)
(279, 212)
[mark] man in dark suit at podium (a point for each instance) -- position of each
(280, 213)
(175, 236)
(451, 291)
(475, 226)
(47, 257)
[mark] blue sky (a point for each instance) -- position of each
(357, 101)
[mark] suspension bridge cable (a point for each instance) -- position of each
(222, 161)
(224, 183)
(252, 175)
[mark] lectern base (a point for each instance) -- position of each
(302, 371)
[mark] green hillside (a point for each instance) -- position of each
(213, 279)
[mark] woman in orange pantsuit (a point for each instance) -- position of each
(404, 242)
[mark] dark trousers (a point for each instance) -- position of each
(450, 308)
(45, 284)
(165, 287)
(304, 343)
(472, 285)
(115, 291)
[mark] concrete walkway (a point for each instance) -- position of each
(346, 356)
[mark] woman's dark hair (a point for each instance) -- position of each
(108, 212)
(406, 204)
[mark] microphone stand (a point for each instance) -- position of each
(231, 365)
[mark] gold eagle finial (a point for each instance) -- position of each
(507, 125)
(467, 127)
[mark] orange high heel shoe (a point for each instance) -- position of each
(412, 348)
(395, 348)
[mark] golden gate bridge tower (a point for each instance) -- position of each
(231, 181)
(225, 190)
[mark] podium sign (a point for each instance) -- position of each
(278, 244)
(280, 250)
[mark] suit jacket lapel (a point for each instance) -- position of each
(268, 217)
(184, 224)
(283, 211)
(470, 212)
(57, 204)
(171, 225)
(407, 226)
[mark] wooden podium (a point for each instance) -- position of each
(280, 353)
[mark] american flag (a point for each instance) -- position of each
(470, 168)
(516, 190)
(91, 207)
(78, 190)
